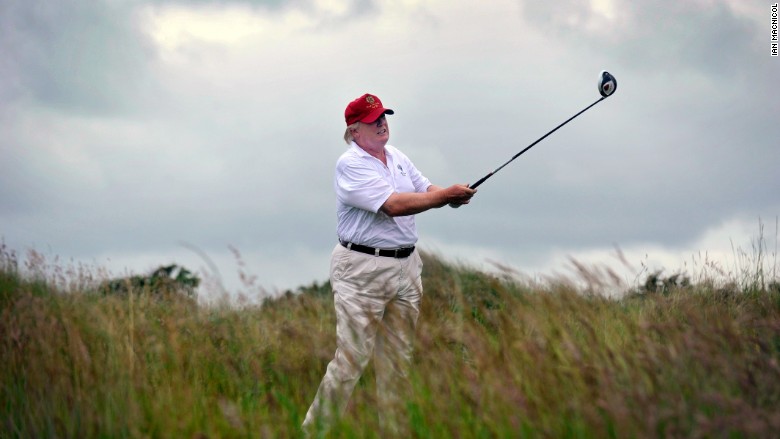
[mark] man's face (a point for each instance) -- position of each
(373, 134)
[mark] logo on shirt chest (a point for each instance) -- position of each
(403, 173)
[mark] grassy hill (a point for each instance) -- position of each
(495, 357)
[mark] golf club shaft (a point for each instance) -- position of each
(482, 180)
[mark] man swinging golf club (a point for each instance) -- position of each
(375, 270)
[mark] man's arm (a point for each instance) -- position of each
(410, 203)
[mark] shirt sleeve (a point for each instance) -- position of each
(361, 186)
(420, 182)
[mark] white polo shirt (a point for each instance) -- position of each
(363, 183)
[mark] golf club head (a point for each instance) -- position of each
(607, 83)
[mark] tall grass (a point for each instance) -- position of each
(495, 357)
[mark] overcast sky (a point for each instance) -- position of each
(146, 132)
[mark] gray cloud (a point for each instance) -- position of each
(269, 4)
(352, 8)
(110, 148)
(78, 56)
(658, 37)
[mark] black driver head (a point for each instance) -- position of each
(607, 83)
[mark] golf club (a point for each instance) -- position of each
(607, 85)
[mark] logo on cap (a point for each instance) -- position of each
(372, 103)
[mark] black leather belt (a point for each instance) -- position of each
(401, 253)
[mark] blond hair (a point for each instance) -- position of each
(348, 133)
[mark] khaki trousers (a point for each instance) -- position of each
(377, 301)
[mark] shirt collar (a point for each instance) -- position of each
(362, 152)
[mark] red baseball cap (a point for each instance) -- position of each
(366, 108)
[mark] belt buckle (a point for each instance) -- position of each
(396, 253)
